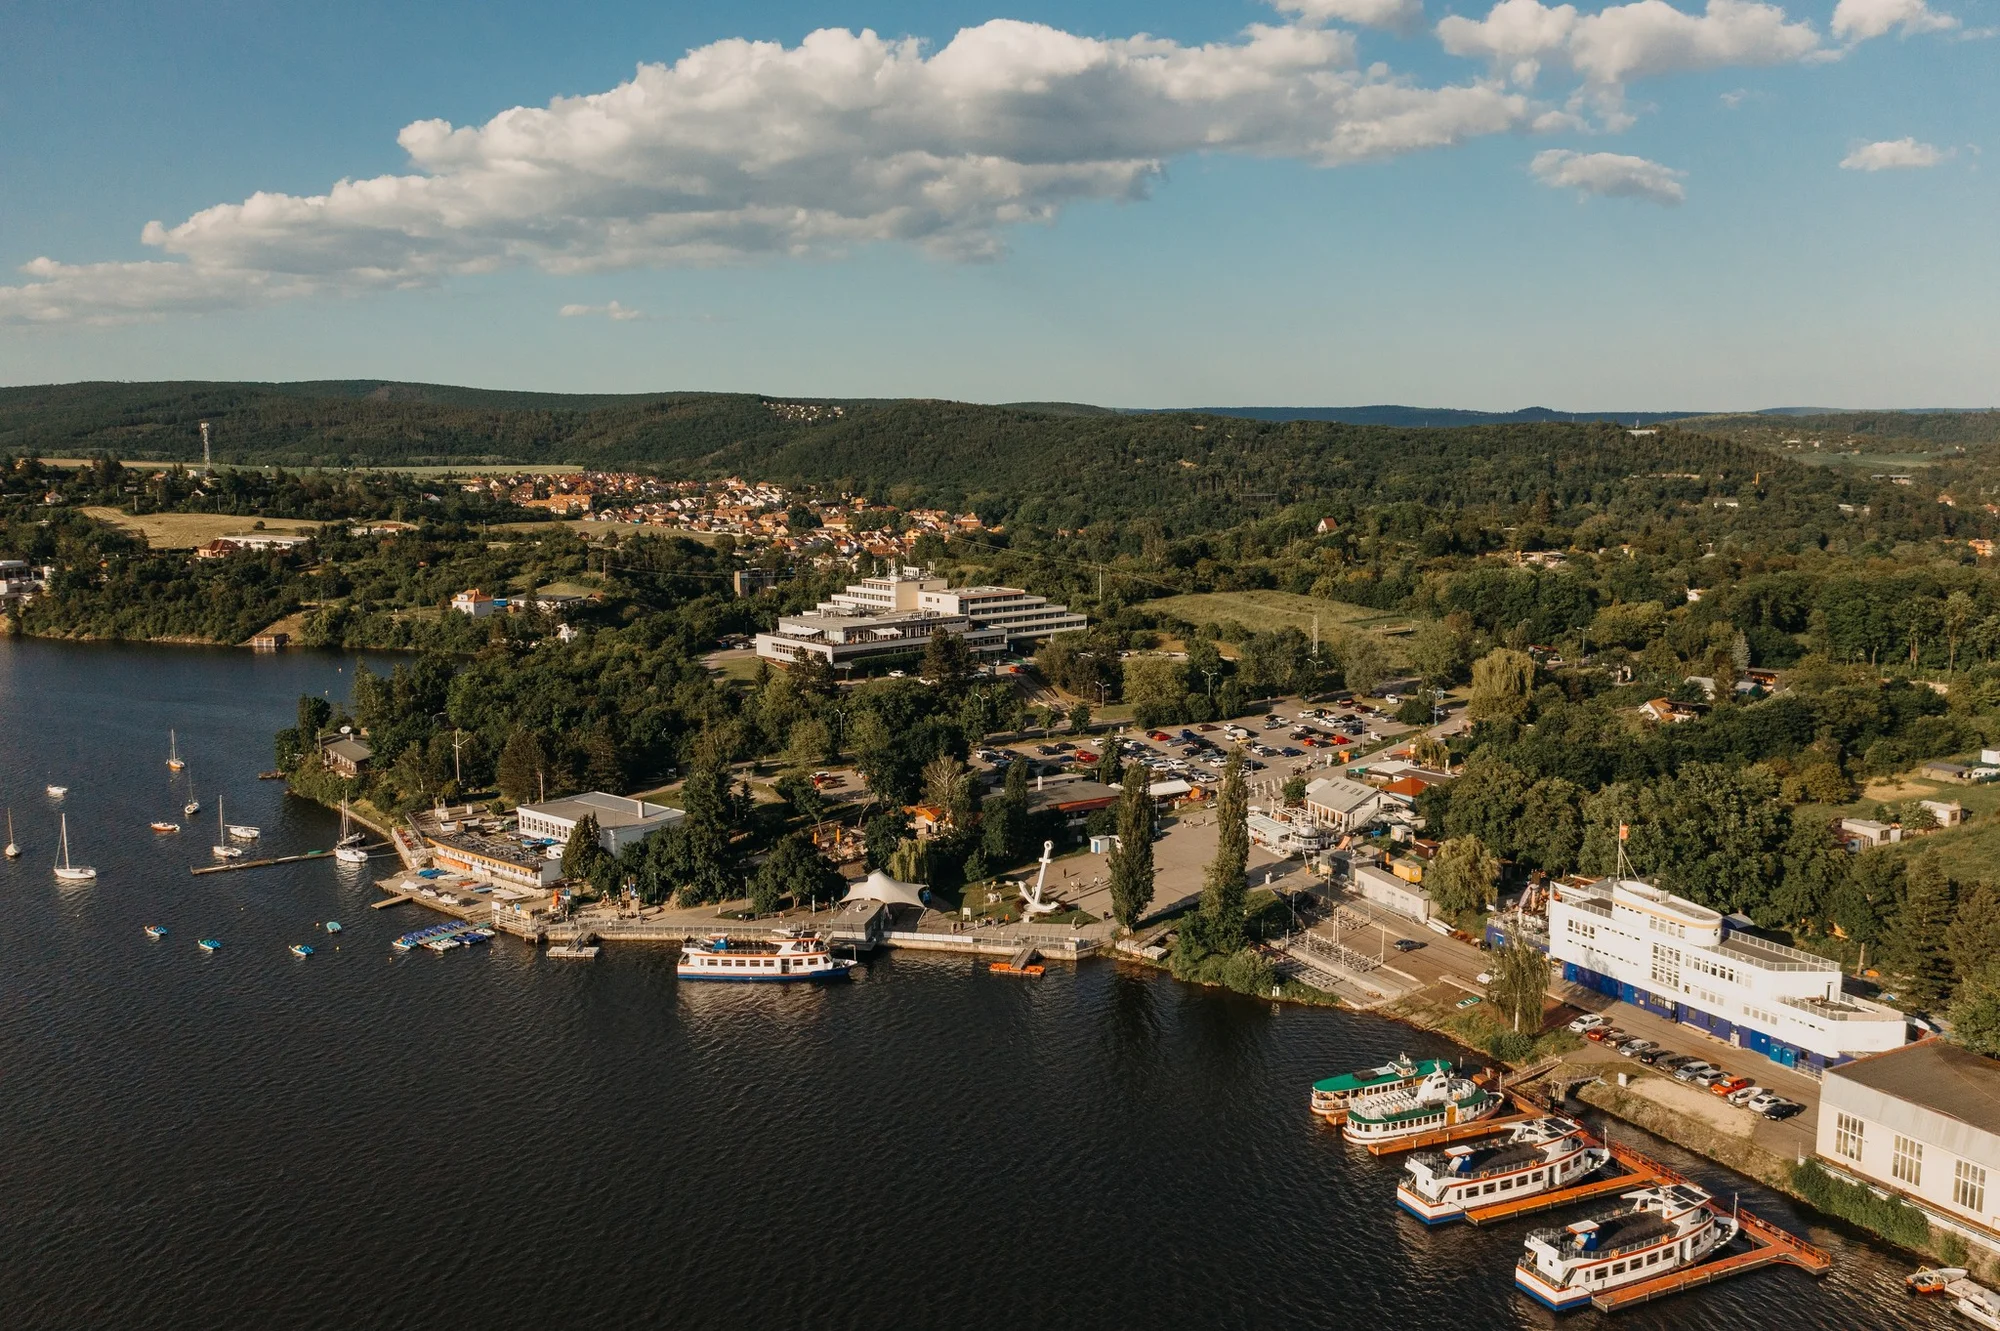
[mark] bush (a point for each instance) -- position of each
(1511, 1046)
(1896, 1221)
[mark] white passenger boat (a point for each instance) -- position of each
(785, 956)
(1974, 1301)
(1658, 1230)
(1441, 1100)
(1540, 1155)
(1331, 1096)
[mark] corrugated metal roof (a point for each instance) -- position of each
(1936, 1075)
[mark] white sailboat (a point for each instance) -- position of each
(348, 849)
(222, 850)
(13, 851)
(67, 872)
(174, 763)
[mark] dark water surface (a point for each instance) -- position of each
(490, 1138)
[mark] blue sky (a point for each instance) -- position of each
(1713, 204)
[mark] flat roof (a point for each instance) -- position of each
(609, 810)
(1936, 1074)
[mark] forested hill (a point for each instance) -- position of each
(1054, 466)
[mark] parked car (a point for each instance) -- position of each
(1655, 1057)
(1610, 1035)
(1710, 1077)
(1291, 752)
(1588, 1021)
(1693, 1070)
(1407, 945)
(1783, 1109)
(1634, 1048)
(1743, 1095)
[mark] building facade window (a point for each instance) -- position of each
(1906, 1162)
(1666, 966)
(1847, 1130)
(1968, 1186)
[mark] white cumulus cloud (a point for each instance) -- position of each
(614, 311)
(1892, 155)
(745, 149)
(1645, 39)
(1402, 16)
(1613, 175)
(1861, 20)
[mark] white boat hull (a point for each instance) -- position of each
(75, 874)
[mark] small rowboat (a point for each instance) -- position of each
(1933, 1280)
(156, 931)
(209, 944)
(301, 950)
(166, 827)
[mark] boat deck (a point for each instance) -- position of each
(1639, 1173)
(1769, 1246)
(1457, 1132)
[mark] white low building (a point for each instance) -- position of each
(857, 639)
(1923, 1123)
(1633, 941)
(1021, 615)
(621, 821)
(1286, 833)
(1386, 889)
(1341, 804)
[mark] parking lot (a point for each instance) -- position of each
(1292, 739)
(1788, 1138)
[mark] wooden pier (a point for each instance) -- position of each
(1769, 1246)
(231, 866)
(1548, 1201)
(1024, 962)
(386, 902)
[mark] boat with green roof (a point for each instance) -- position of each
(1441, 1100)
(1332, 1096)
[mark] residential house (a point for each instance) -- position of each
(347, 756)
(474, 602)
(1859, 834)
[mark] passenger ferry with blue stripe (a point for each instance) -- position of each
(1660, 1229)
(1541, 1155)
(787, 956)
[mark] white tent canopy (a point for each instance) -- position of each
(879, 886)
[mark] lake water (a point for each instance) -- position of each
(492, 1138)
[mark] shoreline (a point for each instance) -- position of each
(1624, 1103)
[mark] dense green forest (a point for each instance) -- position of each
(1058, 467)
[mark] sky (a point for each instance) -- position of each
(1647, 205)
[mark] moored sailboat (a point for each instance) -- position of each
(348, 849)
(67, 872)
(13, 851)
(174, 763)
(222, 850)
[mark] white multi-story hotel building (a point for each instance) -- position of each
(1635, 942)
(1021, 615)
(895, 614)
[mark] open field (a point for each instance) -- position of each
(1268, 611)
(1969, 851)
(185, 531)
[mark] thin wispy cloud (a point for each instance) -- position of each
(1862, 20)
(613, 311)
(1609, 175)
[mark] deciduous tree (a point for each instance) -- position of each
(1131, 867)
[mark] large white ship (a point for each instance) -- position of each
(1540, 1155)
(1331, 1096)
(1441, 1100)
(1660, 1229)
(785, 956)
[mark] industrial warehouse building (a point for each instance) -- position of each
(1921, 1123)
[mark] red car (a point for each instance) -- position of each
(1158, 736)
(1340, 739)
(1601, 1034)
(1728, 1085)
